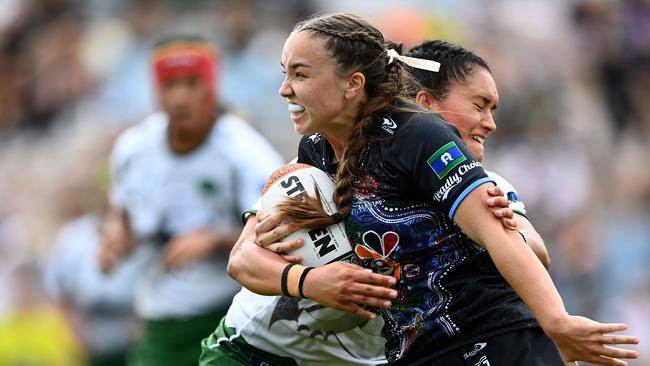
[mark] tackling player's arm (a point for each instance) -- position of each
(499, 205)
(533, 239)
(339, 285)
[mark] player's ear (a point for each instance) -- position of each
(425, 99)
(354, 85)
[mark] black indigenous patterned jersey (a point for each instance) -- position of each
(416, 173)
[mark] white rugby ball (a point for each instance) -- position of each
(321, 246)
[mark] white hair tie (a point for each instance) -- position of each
(418, 63)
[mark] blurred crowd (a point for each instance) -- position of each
(573, 128)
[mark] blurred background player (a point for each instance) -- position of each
(98, 307)
(180, 180)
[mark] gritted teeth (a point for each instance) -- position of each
(295, 108)
(479, 139)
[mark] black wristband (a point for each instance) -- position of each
(247, 214)
(302, 280)
(283, 280)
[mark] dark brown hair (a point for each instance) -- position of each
(355, 46)
(456, 65)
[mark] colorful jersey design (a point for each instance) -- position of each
(450, 291)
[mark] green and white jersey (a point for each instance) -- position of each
(102, 301)
(167, 194)
(305, 330)
(510, 193)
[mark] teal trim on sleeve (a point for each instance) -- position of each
(465, 193)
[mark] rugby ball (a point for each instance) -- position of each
(321, 246)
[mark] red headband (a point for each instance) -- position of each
(191, 58)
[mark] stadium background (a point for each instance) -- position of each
(573, 120)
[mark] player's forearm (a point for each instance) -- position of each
(224, 240)
(536, 243)
(255, 268)
(116, 240)
(524, 272)
(533, 239)
(117, 220)
(513, 258)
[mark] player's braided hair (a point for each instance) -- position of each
(355, 46)
(456, 64)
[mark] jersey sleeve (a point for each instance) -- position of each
(57, 277)
(514, 201)
(118, 164)
(443, 167)
(252, 155)
(129, 144)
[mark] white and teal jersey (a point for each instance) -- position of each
(167, 194)
(104, 302)
(305, 330)
(510, 193)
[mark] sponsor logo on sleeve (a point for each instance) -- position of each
(445, 159)
(454, 180)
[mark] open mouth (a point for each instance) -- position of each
(479, 139)
(295, 109)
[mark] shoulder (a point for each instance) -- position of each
(422, 123)
(230, 125)
(75, 236)
(311, 143)
(241, 142)
(311, 150)
(73, 228)
(140, 136)
(417, 132)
